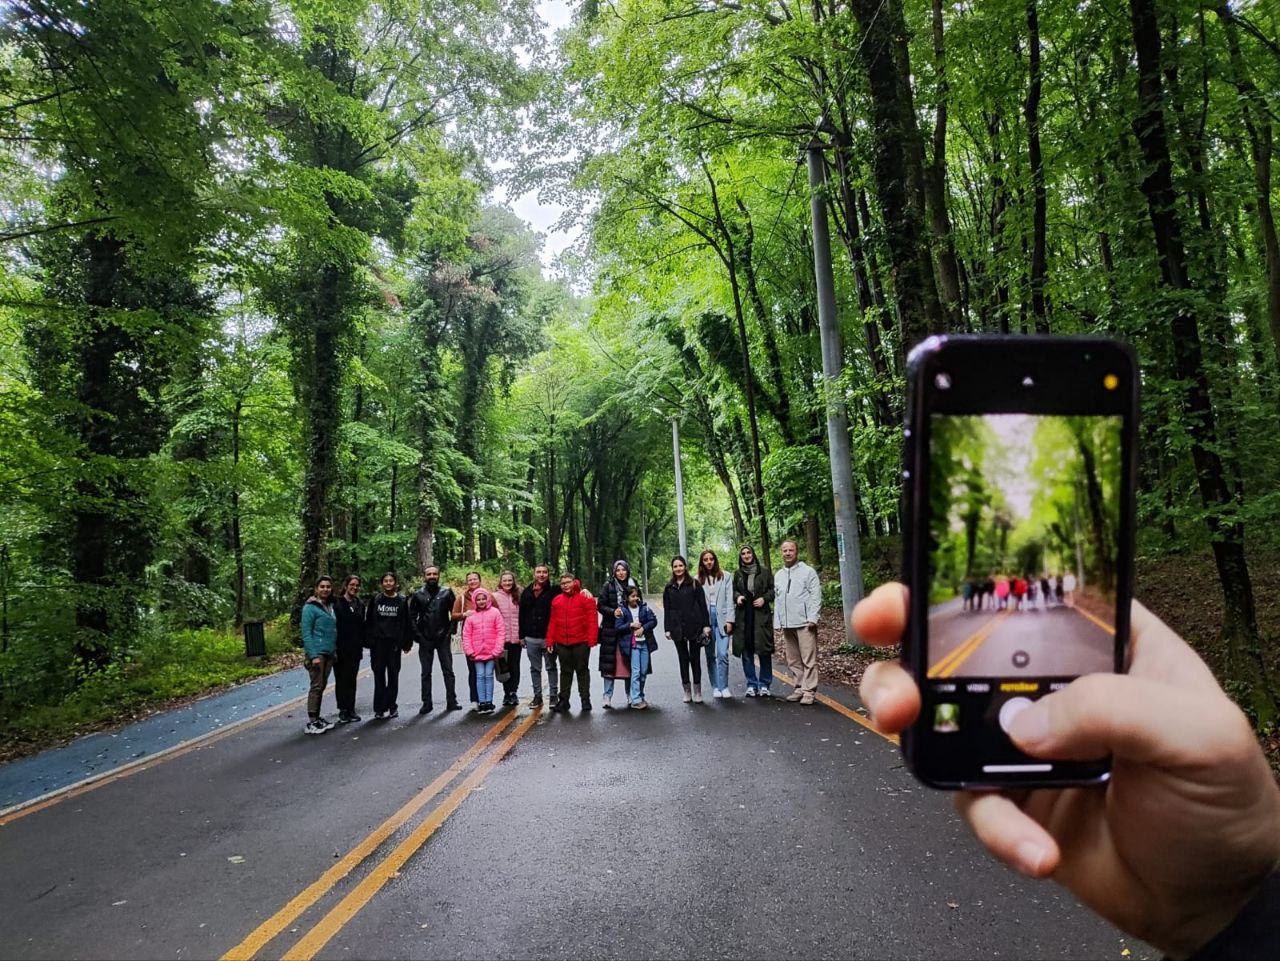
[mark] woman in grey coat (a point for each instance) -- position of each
(718, 587)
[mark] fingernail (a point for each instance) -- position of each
(1030, 727)
(1030, 858)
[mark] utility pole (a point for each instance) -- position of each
(675, 447)
(848, 548)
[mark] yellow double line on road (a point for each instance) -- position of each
(371, 884)
(951, 663)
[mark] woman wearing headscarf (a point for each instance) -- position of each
(752, 625)
(613, 661)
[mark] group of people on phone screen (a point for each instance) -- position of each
(1000, 592)
(707, 614)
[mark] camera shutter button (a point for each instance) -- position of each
(1011, 709)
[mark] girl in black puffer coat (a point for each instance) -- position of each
(687, 624)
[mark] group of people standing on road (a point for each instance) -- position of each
(1001, 592)
(707, 613)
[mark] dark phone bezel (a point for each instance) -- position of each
(1056, 365)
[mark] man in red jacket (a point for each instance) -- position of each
(571, 633)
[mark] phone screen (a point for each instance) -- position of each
(1020, 541)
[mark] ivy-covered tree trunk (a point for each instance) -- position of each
(1039, 214)
(322, 411)
(1240, 626)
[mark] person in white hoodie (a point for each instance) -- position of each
(797, 602)
(718, 587)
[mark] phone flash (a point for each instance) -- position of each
(1110, 381)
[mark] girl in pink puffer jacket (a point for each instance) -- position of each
(484, 635)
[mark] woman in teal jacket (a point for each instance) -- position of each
(319, 647)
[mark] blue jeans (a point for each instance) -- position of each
(720, 670)
(749, 655)
(608, 687)
(639, 667)
(484, 682)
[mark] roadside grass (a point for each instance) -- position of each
(161, 670)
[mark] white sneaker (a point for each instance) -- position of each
(751, 692)
(726, 694)
(317, 726)
(764, 692)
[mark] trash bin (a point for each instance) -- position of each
(255, 640)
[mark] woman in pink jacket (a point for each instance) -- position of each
(507, 600)
(484, 635)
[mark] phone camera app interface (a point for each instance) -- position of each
(1024, 530)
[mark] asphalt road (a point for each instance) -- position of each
(1060, 641)
(732, 829)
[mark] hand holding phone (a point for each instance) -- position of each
(1186, 829)
(1020, 465)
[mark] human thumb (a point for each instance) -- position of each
(1139, 719)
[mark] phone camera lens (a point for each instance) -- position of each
(942, 380)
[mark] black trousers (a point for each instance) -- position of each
(515, 653)
(575, 659)
(690, 662)
(471, 681)
(386, 677)
(428, 651)
(344, 678)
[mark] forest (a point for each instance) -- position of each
(266, 311)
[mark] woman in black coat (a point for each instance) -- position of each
(613, 598)
(686, 624)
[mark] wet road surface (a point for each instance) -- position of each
(732, 829)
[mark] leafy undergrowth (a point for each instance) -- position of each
(1182, 589)
(164, 672)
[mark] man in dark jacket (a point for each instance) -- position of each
(430, 609)
(349, 610)
(535, 614)
(388, 634)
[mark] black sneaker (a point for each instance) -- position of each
(537, 701)
(394, 712)
(425, 709)
(352, 718)
(379, 715)
(586, 705)
(344, 717)
(455, 706)
(561, 706)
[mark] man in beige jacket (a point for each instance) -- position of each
(795, 610)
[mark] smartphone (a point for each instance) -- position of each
(1019, 483)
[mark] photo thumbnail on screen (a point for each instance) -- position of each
(1024, 526)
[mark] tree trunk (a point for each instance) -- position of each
(1039, 216)
(813, 540)
(1240, 627)
(322, 413)
(936, 185)
(897, 164)
(1257, 124)
(237, 542)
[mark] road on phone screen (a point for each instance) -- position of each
(746, 828)
(1034, 642)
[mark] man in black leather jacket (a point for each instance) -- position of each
(430, 608)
